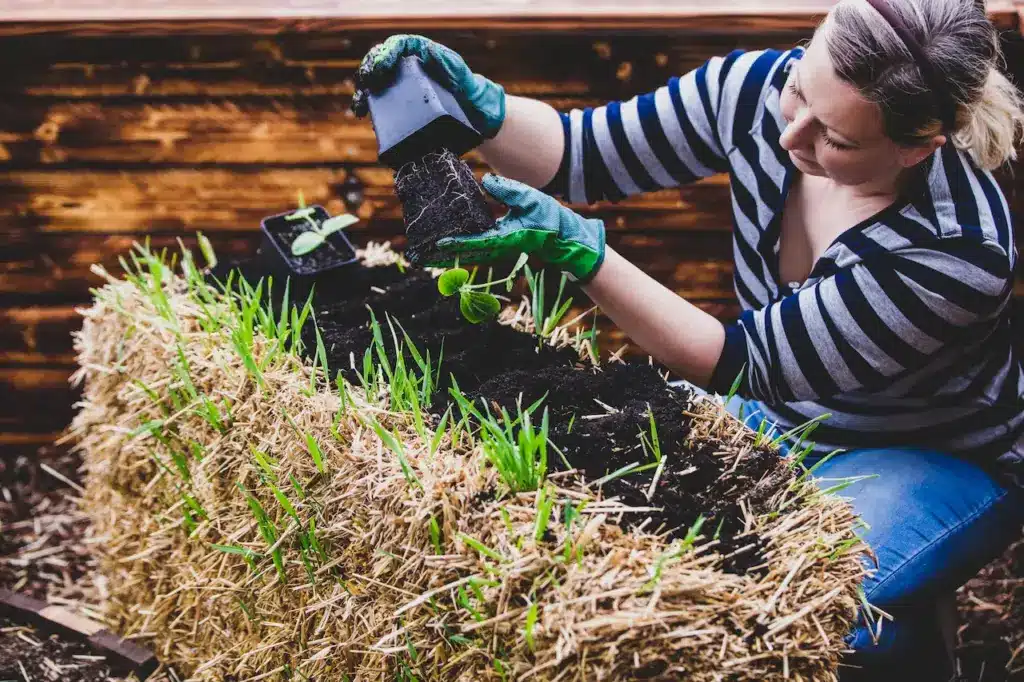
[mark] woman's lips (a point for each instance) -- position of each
(803, 160)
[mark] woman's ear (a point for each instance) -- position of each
(911, 156)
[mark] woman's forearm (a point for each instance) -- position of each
(529, 148)
(672, 330)
(529, 145)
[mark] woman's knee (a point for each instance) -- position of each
(931, 519)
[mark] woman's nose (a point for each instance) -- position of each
(796, 134)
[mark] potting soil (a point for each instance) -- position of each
(322, 256)
(440, 198)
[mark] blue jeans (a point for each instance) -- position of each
(933, 522)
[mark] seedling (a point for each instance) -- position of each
(267, 529)
(651, 443)
(394, 443)
(531, 623)
(481, 549)
(519, 456)
(545, 320)
(652, 446)
(435, 535)
(545, 503)
(317, 234)
(673, 553)
(476, 302)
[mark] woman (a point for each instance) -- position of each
(874, 259)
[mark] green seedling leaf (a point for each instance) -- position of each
(337, 223)
(736, 383)
(545, 503)
(149, 427)
(531, 623)
(299, 489)
(452, 281)
(442, 425)
(285, 503)
(315, 453)
(245, 610)
(306, 242)
(480, 547)
(301, 214)
(523, 257)
(478, 307)
(435, 535)
(236, 550)
(194, 505)
(265, 462)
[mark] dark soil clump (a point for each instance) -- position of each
(440, 198)
(472, 353)
(321, 257)
(597, 417)
(24, 651)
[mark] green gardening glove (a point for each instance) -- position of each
(536, 224)
(483, 101)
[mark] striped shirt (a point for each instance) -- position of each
(902, 330)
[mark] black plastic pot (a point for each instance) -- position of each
(415, 116)
(276, 249)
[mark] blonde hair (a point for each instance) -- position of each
(963, 50)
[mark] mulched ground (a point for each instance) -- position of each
(26, 654)
(992, 621)
(42, 555)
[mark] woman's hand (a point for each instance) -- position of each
(483, 101)
(536, 224)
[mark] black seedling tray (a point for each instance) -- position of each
(279, 233)
(415, 116)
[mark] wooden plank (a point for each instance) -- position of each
(57, 267)
(316, 131)
(224, 199)
(291, 64)
(307, 131)
(39, 335)
(267, 16)
(124, 657)
(33, 445)
(43, 398)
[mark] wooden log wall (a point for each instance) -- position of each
(110, 135)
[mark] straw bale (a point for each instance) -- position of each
(608, 603)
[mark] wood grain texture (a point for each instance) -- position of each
(178, 201)
(39, 267)
(123, 656)
(38, 335)
(78, 16)
(323, 64)
(41, 397)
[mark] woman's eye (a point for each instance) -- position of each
(794, 89)
(836, 145)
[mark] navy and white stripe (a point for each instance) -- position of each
(902, 330)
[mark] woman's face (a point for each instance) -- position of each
(833, 131)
